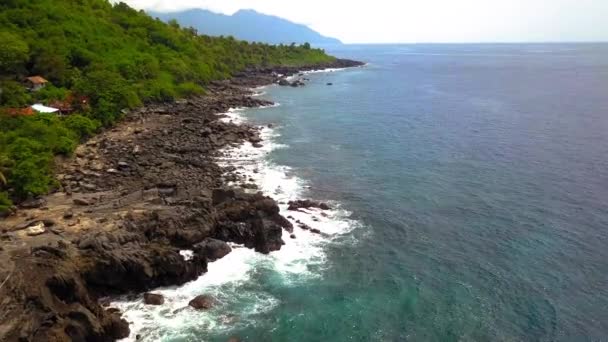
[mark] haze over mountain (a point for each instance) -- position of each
(247, 25)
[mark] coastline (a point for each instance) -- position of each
(132, 199)
(239, 281)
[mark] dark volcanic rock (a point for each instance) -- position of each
(305, 204)
(253, 220)
(202, 302)
(212, 249)
(222, 195)
(153, 299)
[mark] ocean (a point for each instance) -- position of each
(469, 186)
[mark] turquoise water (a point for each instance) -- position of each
(475, 179)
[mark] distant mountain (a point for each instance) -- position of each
(247, 25)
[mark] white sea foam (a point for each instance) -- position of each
(307, 72)
(186, 254)
(229, 279)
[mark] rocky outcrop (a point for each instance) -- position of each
(45, 298)
(307, 204)
(252, 220)
(286, 83)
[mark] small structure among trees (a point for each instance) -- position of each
(35, 83)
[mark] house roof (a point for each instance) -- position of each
(20, 111)
(37, 80)
(44, 109)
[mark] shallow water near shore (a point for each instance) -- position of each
(471, 191)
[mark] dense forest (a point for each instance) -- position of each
(103, 58)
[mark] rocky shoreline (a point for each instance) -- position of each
(129, 201)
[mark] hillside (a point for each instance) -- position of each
(248, 25)
(100, 60)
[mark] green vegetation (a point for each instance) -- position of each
(114, 57)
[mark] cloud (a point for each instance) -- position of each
(426, 21)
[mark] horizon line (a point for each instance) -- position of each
(480, 42)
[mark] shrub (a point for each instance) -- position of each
(189, 89)
(81, 125)
(5, 202)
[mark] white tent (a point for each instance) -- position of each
(44, 109)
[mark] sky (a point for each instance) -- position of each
(421, 21)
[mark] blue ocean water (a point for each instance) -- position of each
(475, 183)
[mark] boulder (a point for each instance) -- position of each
(202, 302)
(255, 139)
(118, 327)
(33, 203)
(212, 249)
(81, 201)
(36, 229)
(68, 214)
(88, 186)
(297, 83)
(153, 299)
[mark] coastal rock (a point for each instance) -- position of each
(153, 299)
(202, 302)
(212, 249)
(306, 204)
(297, 83)
(252, 220)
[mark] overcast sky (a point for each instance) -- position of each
(392, 21)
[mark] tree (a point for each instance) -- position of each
(13, 94)
(13, 54)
